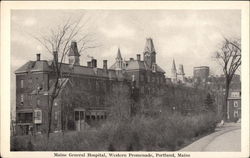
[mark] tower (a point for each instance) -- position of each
(173, 72)
(149, 53)
(181, 74)
(74, 54)
(119, 61)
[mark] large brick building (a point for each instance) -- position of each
(35, 80)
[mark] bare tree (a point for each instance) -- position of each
(74, 95)
(229, 57)
(57, 42)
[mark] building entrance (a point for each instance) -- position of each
(79, 119)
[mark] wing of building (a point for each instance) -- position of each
(35, 82)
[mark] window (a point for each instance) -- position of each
(77, 115)
(148, 78)
(56, 115)
(235, 94)
(154, 68)
(236, 114)
(30, 80)
(24, 117)
(38, 102)
(89, 83)
(142, 89)
(236, 104)
(30, 99)
(81, 115)
(38, 116)
(21, 83)
(22, 99)
(142, 78)
(97, 85)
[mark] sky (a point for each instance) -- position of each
(189, 36)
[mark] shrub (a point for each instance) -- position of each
(168, 131)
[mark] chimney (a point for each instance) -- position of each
(89, 64)
(55, 54)
(38, 57)
(138, 57)
(105, 64)
(94, 62)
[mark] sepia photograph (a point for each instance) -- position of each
(141, 82)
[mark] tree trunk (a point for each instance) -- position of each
(51, 100)
(225, 99)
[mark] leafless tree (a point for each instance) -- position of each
(57, 42)
(72, 96)
(229, 57)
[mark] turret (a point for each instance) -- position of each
(181, 70)
(74, 54)
(173, 71)
(181, 74)
(119, 56)
(149, 52)
(119, 60)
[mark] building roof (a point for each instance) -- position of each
(41, 65)
(136, 65)
(159, 69)
(113, 67)
(34, 66)
(47, 66)
(141, 65)
(25, 67)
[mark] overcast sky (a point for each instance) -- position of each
(188, 36)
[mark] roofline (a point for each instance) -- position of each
(199, 67)
(145, 70)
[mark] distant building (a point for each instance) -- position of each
(216, 84)
(234, 105)
(177, 76)
(201, 73)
